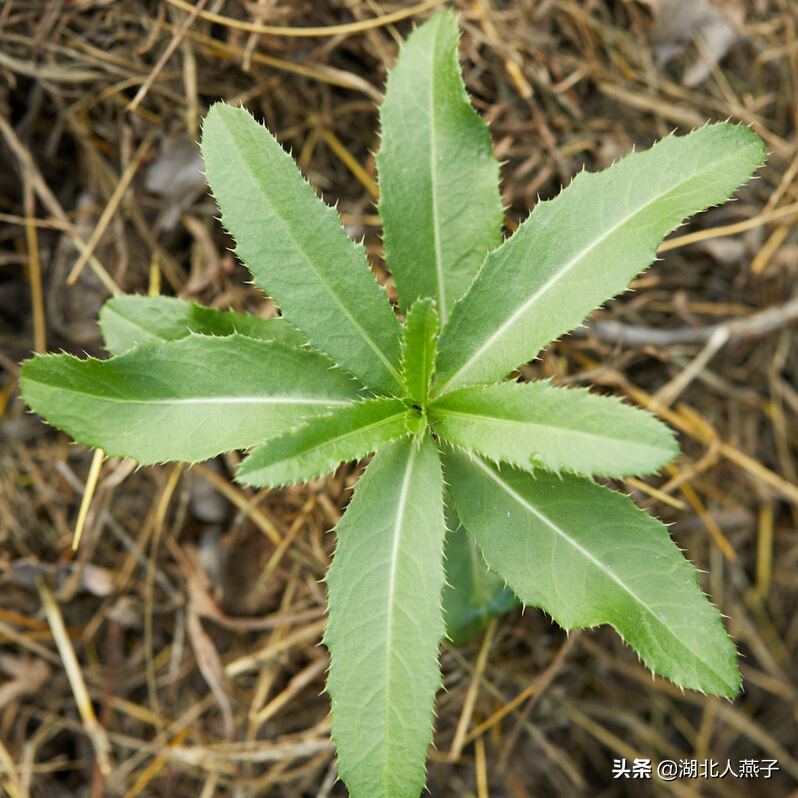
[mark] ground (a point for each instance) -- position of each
(193, 607)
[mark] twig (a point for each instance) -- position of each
(757, 324)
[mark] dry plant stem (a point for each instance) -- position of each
(29, 755)
(623, 749)
(307, 633)
(51, 203)
(149, 595)
(785, 184)
(176, 39)
(110, 207)
(510, 56)
(764, 550)
(240, 500)
(268, 672)
(587, 49)
(481, 768)
(155, 767)
(471, 694)
(210, 667)
(153, 747)
(709, 522)
(770, 248)
(56, 74)
(91, 484)
(94, 731)
(732, 715)
(655, 493)
(669, 392)
(673, 112)
(34, 268)
(119, 533)
(12, 783)
(689, 422)
(24, 641)
(329, 30)
(215, 756)
(320, 72)
(538, 685)
(305, 677)
(350, 162)
(765, 217)
(757, 324)
(740, 721)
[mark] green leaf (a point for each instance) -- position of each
(323, 443)
(534, 424)
(587, 555)
(439, 198)
(472, 595)
(296, 249)
(131, 319)
(386, 621)
(184, 400)
(419, 349)
(585, 246)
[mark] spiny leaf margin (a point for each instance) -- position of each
(322, 443)
(297, 250)
(534, 424)
(419, 350)
(437, 173)
(185, 400)
(588, 555)
(384, 670)
(584, 246)
(132, 319)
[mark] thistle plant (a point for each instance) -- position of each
(338, 376)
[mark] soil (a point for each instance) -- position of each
(193, 610)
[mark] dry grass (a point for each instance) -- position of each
(177, 653)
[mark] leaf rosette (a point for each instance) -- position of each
(338, 377)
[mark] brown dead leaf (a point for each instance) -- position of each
(92, 579)
(26, 677)
(177, 176)
(210, 666)
(678, 22)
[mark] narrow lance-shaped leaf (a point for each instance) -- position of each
(386, 621)
(323, 443)
(184, 400)
(587, 555)
(472, 595)
(296, 249)
(439, 198)
(534, 424)
(129, 320)
(419, 336)
(585, 246)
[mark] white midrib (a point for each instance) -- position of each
(236, 400)
(554, 279)
(433, 157)
(328, 442)
(392, 578)
(300, 250)
(532, 425)
(571, 542)
(220, 400)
